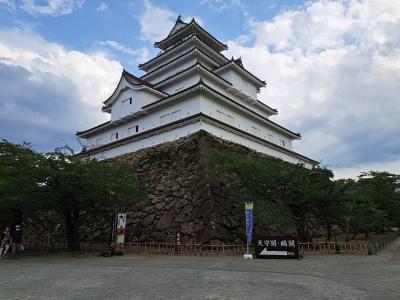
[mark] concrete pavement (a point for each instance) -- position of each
(174, 277)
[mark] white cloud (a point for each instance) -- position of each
(102, 7)
(222, 5)
(52, 7)
(353, 172)
(7, 4)
(333, 70)
(141, 54)
(156, 22)
(49, 92)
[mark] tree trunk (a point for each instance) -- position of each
(328, 232)
(72, 229)
(302, 233)
(346, 239)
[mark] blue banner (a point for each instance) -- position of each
(249, 221)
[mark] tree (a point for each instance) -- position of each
(369, 204)
(65, 183)
(74, 185)
(323, 198)
(19, 169)
(384, 189)
(344, 192)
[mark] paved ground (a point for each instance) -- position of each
(167, 277)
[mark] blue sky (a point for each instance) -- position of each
(332, 67)
(94, 21)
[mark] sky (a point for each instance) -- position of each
(332, 67)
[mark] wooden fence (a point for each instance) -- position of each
(324, 248)
(185, 249)
(353, 247)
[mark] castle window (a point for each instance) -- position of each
(133, 129)
(255, 131)
(220, 115)
(99, 142)
(230, 120)
(175, 115)
(164, 119)
(282, 143)
(114, 136)
(126, 103)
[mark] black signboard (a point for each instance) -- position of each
(279, 246)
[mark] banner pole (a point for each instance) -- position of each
(249, 227)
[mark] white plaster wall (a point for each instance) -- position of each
(188, 107)
(145, 142)
(229, 94)
(194, 77)
(178, 132)
(193, 105)
(240, 82)
(139, 98)
(208, 105)
(214, 107)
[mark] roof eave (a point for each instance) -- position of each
(259, 83)
(83, 134)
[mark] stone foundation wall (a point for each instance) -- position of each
(182, 196)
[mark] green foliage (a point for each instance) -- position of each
(288, 194)
(73, 182)
(19, 167)
(383, 191)
(62, 182)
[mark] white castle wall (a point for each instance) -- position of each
(123, 107)
(223, 112)
(152, 120)
(185, 130)
(192, 105)
(148, 141)
(240, 82)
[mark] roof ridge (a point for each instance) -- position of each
(192, 22)
(187, 38)
(175, 28)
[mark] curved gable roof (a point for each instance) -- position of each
(179, 24)
(133, 81)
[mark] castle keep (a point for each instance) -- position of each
(188, 87)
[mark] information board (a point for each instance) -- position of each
(280, 246)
